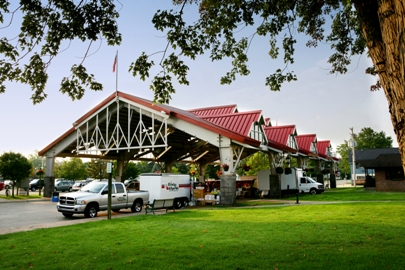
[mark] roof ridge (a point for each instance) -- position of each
(212, 107)
(232, 114)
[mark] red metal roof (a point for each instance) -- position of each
(240, 122)
(217, 110)
(304, 143)
(278, 137)
(322, 148)
(169, 110)
(280, 134)
(267, 122)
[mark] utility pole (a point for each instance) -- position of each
(353, 144)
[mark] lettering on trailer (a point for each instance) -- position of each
(171, 186)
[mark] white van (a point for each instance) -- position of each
(293, 182)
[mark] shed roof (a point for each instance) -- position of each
(386, 161)
(365, 156)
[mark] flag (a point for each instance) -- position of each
(115, 63)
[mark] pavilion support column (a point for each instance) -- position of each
(300, 162)
(272, 163)
(202, 170)
(120, 170)
(49, 178)
(168, 167)
(319, 175)
(274, 178)
(228, 177)
(332, 175)
(228, 189)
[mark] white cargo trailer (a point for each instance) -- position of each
(167, 186)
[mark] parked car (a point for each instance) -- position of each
(8, 184)
(1, 185)
(35, 183)
(87, 181)
(78, 185)
(63, 186)
(128, 181)
(133, 185)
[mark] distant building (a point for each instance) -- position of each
(384, 164)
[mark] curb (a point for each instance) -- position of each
(25, 200)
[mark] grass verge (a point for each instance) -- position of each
(19, 197)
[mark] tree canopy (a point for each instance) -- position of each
(367, 138)
(47, 28)
(14, 166)
(223, 29)
(131, 171)
(74, 169)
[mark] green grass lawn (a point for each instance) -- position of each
(361, 235)
(351, 194)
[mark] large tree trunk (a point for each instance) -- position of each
(383, 25)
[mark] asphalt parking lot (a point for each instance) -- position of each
(28, 215)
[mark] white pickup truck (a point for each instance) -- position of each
(93, 197)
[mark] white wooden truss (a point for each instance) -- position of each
(121, 126)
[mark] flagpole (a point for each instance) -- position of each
(116, 75)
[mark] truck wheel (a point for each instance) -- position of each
(136, 206)
(313, 191)
(33, 189)
(67, 215)
(70, 189)
(91, 211)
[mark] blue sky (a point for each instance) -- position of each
(318, 103)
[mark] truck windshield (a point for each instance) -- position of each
(94, 187)
(311, 180)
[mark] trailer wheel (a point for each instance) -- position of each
(185, 202)
(136, 206)
(178, 203)
(313, 191)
